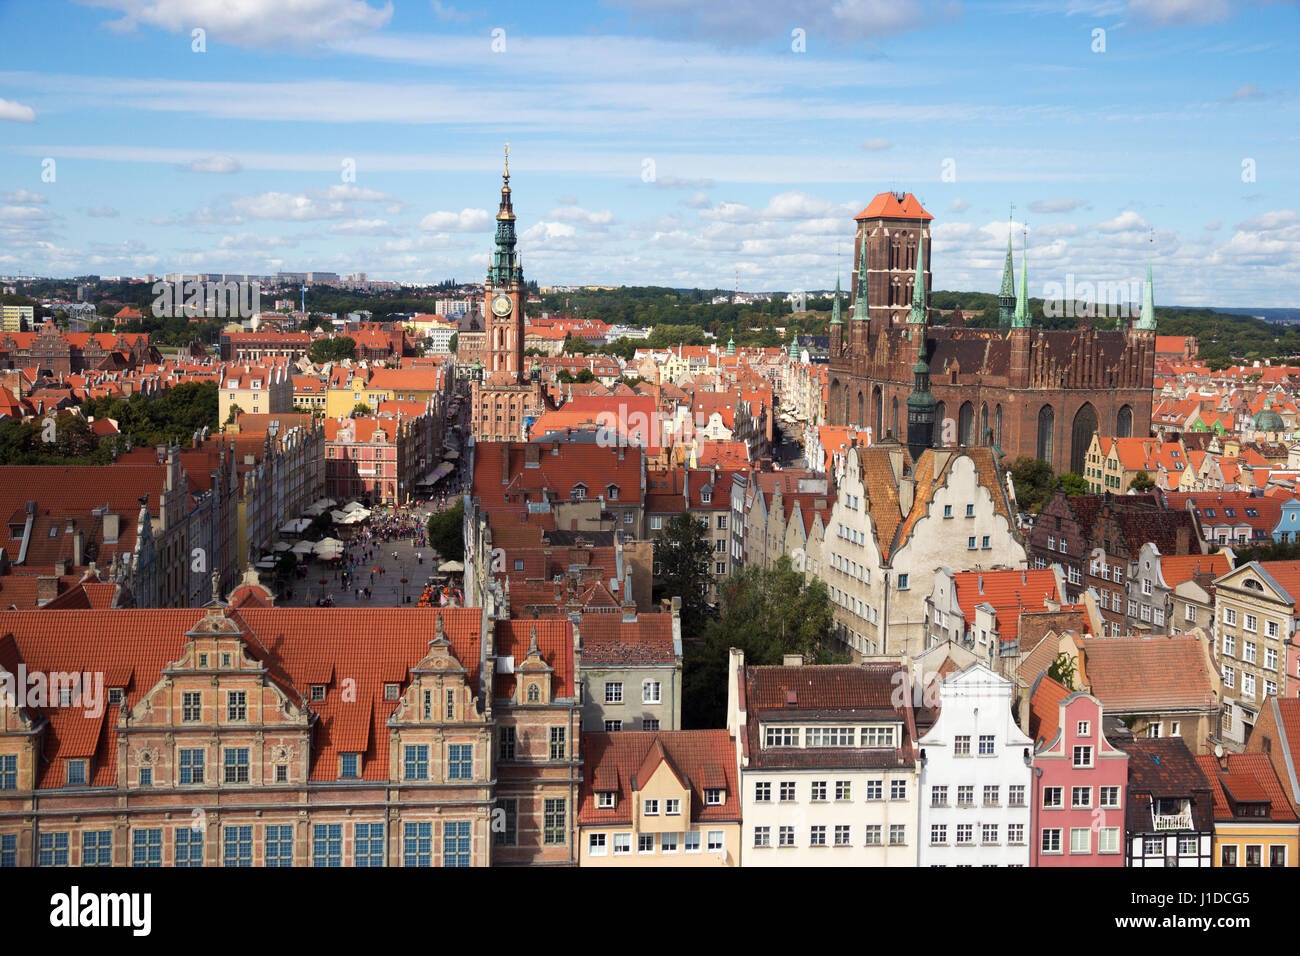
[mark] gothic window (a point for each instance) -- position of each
(984, 424)
(861, 412)
(940, 413)
(894, 417)
(1046, 424)
(878, 409)
(1124, 422)
(966, 424)
(1085, 426)
(997, 426)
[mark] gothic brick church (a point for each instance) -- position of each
(1026, 390)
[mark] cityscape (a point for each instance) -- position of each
(896, 520)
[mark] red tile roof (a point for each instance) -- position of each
(1149, 673)
(1008, 592)
(888, 206)
(1245, 778)
(624, 761)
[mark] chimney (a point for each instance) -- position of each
(47, 589)
(792, 660)
(112, 525)
(77, 547)
(980, 579)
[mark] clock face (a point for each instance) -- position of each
(501, 305)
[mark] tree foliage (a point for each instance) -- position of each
(683, 552)
(446, 532)
(333, 349)
(1033, 480)
(767, 613)
(1142, 482)
(171, 417)
(1071, 483)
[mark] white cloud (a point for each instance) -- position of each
(547, 231)
(1049, 206)
(876, 145)
(1270, 221)
(756, 21)
(364, 227)
(22, 197)
(584, 216)
(212, 164)
(467, 220)
(102, 212)
(697, 201)
(1180, 12)
(17, 112)
(958, 205)
(1127, 221)
(253, 23)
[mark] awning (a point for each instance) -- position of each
(267, 564)
(327, 545)
(282, 546)
(304, 547)
(296, 526)
(452, 455)
(451, 566)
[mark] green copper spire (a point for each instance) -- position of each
(918, 314)
(504, 268)
(794, 348)
(861, 308)
(1021, 319)
(1147, 317)
(731, 345)
(1007, 296)
(835, 309)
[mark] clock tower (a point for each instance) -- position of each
(504, 294)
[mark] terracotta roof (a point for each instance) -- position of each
(888, 206)
(1245, 778)
(1175, 569)
(607, 639)
(698, 758)
(1045, 710)
(1149, 673)
(1164, 767)
(1009, 593)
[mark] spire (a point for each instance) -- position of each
(920, 408)
(1007, 295)
(1021, 319)
(794, 347)
(1147, 317)
(918, 313)
(505, 268)
(861, 307)
(835, 309)
(731, 345)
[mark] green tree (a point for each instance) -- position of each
(767, 613)
(235, 412)
(1063, 670)
(447, 533)
(361, 408)
(577, 345)
(1033, 480)
(684, 552)
(1142, 482)
(1072, 484)
(333, 349)
(453, 342)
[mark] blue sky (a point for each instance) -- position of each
(670, 143)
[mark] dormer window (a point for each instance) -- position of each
(76, 773)
(534, 695)
(714, 796)
(605, 800)
(115, 696)
(611, 492)
(349, 766)
(317, 693)
(203, 660)
(579, 491)
(392, 691)
(706, 496)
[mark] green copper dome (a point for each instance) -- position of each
(1267, 420)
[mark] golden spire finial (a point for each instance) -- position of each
(507, 172)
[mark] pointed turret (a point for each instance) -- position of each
(1007, 295)
(1021, 319)
(505, 267)
(1147, 317)
(835, 308)
(918, 314)
(731, 345)
(794, 348)
(861, 307)
(920, 408)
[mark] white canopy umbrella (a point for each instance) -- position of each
(340, 517)
(267, 564)
(327, 545)
(282, 546)
(304, 547)
(352, 506)
(296, 526)
(451, 566)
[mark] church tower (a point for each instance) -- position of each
(837, 324)
(504, 294)
(1007, 295)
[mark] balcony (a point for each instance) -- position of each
(1182, 820)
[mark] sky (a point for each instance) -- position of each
(655, 142)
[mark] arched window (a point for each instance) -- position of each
(997, 426)
(1085, 426)
(878, 413)
(1124, 422)
(894, 417)
(984, 424)
(1046, 425)
(862, 411)
(966, 424)
(534, 695)
(940, 413)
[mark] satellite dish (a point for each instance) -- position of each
(1218, 751)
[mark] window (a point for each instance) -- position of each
(1228, 856)
(651, 691)
(614, 692)
(762, 792)
(986, 745)
(970, 543)
(1108, 797)
(818, 790)
(191, 706)
(8, 850)
(191, 766)
(991, 795)
(236, 765)
(1080, 840)
(1229, 645)
(508, 741)
(348, 765)
(947, 511)
(613, 726)
(1277, 855)
(843, 790)
(1252, 623)
(392, 691)
(239, 846)
(938, 834)
(559, 745)
(1083, 756)
(902, 582)
(1083, 728)
(785, 836)
(1052, 798)
(1271, 629)
(875, 789)
(1230, 616)
(673, 807)
(1016, 834)
(898, 790)
(237, 705)
(368, 845)
(53, 849)
(817, 836)
(1051, 841)
(1081, 797)
(146, 776)
(76, 773)
(460, 761)
(1248, 652)
(555, 819)
(984, 543)
(989, 833)
(873, 834)
(781, 737)
(938, 796)
(9, 772)
(1108, 840)
(450, 711)
(970, 511)
(189, 846)
(417, 761)
(97, 848)
(714, 796)
(651, 808)
(417, 844)
(455, 843)
(961, 746)
(897, 834)
(965, 834)
(597, 845)
(656, 523)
